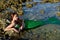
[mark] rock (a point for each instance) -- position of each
(47, 32)
(29, 5)
(42, 11)
(34, 3)
(58, 14)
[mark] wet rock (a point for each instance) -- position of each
(58, 14)
(29, 5)
(47, 32)
(46, 1)
(42, 11)
(34, 3)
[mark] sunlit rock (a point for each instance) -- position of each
(58, 14)
(13, 8)
(29, 5)
(20, 8)
(2, 24)
(51, 1)
(20, 12)
(56, 0)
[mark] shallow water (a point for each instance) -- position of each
(48, 10)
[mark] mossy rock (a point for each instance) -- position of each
(29, 5)
(2, 23)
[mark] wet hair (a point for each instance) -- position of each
(19, 20)
(14, 13)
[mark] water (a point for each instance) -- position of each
(49, 10)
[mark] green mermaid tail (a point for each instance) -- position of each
(33, 24)
(53, 21)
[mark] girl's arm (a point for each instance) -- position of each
(10, 26)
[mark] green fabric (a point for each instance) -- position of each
(32, 24)
(54, 20)
(17, 26)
